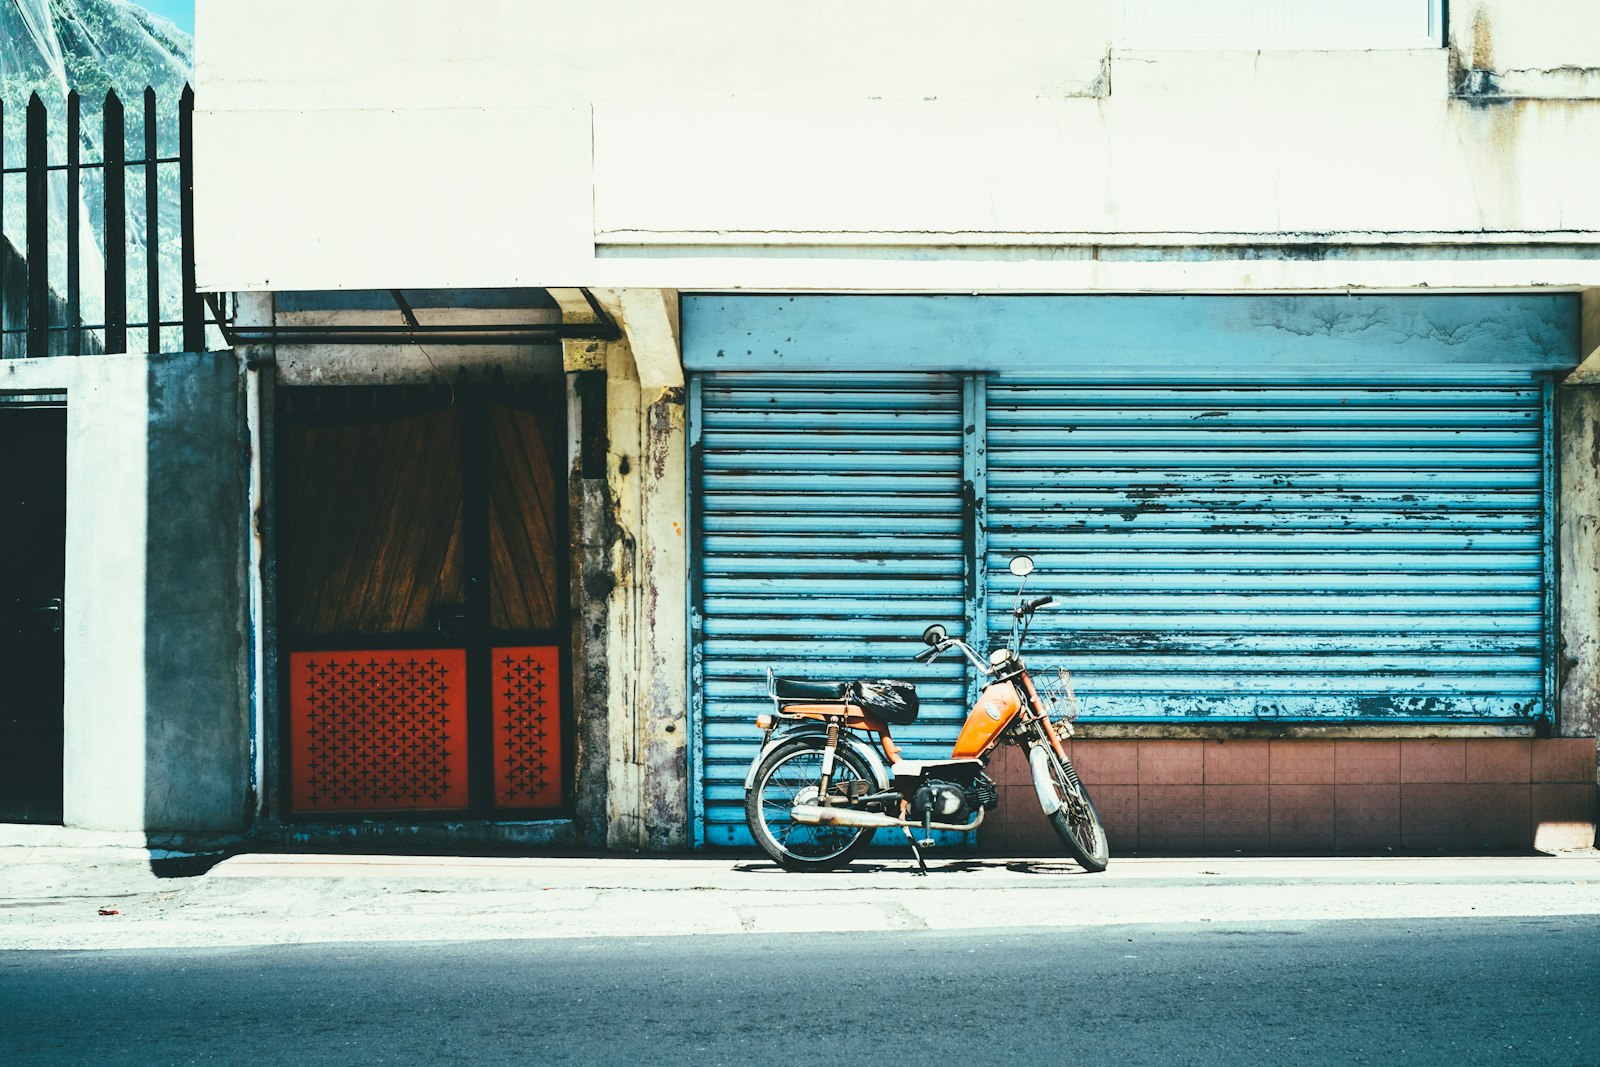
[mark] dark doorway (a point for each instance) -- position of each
(422, 600)
(33, 534)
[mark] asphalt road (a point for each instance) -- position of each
(1413, 991)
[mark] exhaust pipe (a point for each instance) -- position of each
(814, 815)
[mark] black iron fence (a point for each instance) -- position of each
(133, 249)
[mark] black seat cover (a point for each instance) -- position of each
(804, 689)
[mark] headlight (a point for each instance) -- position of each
(999, 656)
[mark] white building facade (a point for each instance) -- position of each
(735, 335)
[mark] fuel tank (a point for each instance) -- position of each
(997, 705)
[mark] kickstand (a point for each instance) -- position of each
(922, 866)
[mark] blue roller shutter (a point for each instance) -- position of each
(1366, 549)
(829, 519)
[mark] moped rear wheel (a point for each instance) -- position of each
(1077, 822)
(791, 774)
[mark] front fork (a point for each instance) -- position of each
(1042, 744)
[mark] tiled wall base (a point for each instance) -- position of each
(1315, 796)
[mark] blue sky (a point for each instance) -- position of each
(179, 11)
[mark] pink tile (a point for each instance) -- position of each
(1499, 815)
(1106, 762)
(1564, 759)
(1171, 763)
(1171, 818)
(1009, 766)
(1433, 760)
(1235, 762)
(1433, 815)
(1302, 815)
(1366, 815)
(1236, 817)
(1118, 806)
(1563, 816)
(1366, 761)
(1029, 831)
(1301, 762)
(995, 836)
(1504, 760)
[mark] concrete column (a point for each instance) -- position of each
(592, 582)
(196, 546)
(647, 611)
(1578, 536)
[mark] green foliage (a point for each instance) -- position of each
(104, 45)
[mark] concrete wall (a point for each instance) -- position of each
(157, 733)
(714, 144)
(197, 638)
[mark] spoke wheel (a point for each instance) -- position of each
(793, 774)
(1077, 823)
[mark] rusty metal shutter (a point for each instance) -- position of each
(829, 529)
(1375, 548)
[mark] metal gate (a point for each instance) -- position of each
(1338, 550)
(831, 531)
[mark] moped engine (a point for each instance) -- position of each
(943, 801)
(949, 802)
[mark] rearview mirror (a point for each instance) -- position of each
(933, 635)
(1022, 566)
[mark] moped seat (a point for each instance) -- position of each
(960, 770)
(804, 689)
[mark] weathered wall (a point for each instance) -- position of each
(892, 146)
(1578, 656)
(1516, 48)
(155, 703)
(646, 648)
(197, 722)
(1578, 540)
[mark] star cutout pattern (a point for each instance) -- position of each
(527, 727)
(378, 730)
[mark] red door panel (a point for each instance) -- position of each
(527, 727)
(378, 731)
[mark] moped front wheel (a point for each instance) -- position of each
(793, 774)
(1077, 822)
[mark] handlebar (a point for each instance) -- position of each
(960, 646)
(1035, 605)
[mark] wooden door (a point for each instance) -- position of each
(422, 575)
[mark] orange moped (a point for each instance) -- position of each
(819, 788)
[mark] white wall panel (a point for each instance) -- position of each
(1276, 24)
(714, 144)
(1258, 152)
(497, 53)
(383, 199)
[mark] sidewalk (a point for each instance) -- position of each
(111, 897)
